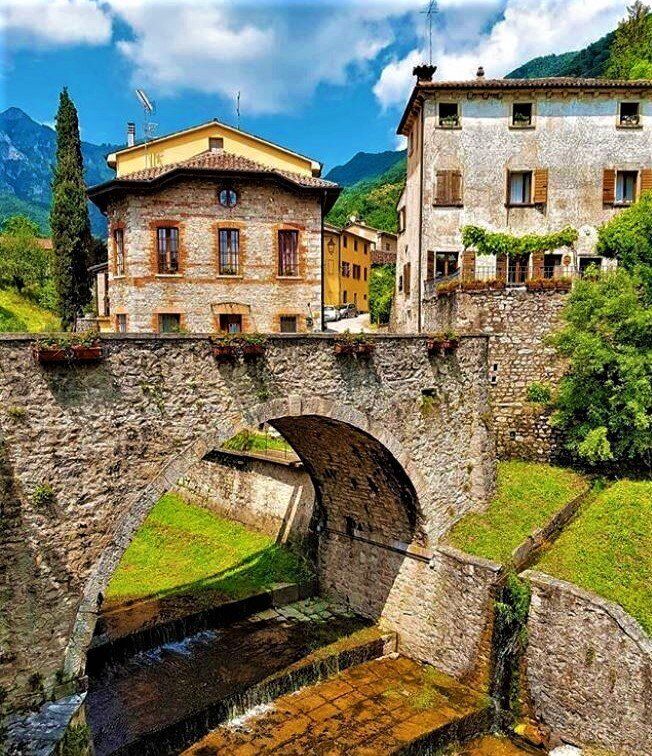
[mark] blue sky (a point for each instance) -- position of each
(324, 78)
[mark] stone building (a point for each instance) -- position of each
(520, 156)
(212, 229)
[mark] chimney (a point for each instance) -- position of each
(480, 72)
(424, 72)
(131, 134)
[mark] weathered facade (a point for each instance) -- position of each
(215, 242)
(88, 450)
(521, 156)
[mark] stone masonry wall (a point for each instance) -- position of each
(589, 668)
(517, 323)
(111, 438)
(274, 497)
(439, 601)
(198, 292)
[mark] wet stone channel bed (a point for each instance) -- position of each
(162, 700)
(387, 705)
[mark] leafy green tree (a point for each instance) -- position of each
(604, 402)
(628, 237)
(381, 292)
(630, 56)
(24, 262)
(71, 234)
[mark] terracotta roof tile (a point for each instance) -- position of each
(224, 161)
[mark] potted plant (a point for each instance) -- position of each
(224, 348)
(69, 347)
(435, 344)
(353, 344)
(450, 341)
(252, 345)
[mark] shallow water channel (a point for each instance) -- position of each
(161, 700)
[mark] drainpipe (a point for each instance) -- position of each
(420, 283)
(323, 290)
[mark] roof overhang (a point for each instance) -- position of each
(102, 194)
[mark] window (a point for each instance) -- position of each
(356, 272)
(169, 322)
(355, 298)
(630, 114)
(345, 241)
(406, 279)
(522, 114)
(626, 186)
(401, 220)
(400, 283)
(168, 249)
(228, 197)
(215, 144)
(288, 323)
(231, 323)
(229, 239)
(520, 187)
(445, 264)
(344, 296)
(365, 273)
(119, 241)
(288, 253)
(121, 323)
(346, 270)
(449, 115)
(366, 248)
(448, 191)
(355, 245)
(552, 267)
(386, 246)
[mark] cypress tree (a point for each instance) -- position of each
(71, 235)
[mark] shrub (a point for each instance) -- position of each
(497, 243)
(44, 496)
(382, 281)
(540, 393)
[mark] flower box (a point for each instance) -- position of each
(440, 345)
(52, 354)
(224, 352)
(251, 351)
(354, 347)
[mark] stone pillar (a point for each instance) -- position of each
(468, 265)
(537, 265)
(501, 267)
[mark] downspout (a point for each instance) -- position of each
(422, 150)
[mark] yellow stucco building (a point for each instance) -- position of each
(213, 135)
(347, 265)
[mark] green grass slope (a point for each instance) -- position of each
(183, 548)
(372, 200)
(18, 314)
(528, 495)
(607, 549)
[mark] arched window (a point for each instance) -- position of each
(228, 197)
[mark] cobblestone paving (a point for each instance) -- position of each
(370, 709)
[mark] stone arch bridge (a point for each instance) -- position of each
(397, 447)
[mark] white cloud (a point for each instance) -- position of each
(54, 22)
(527, 29)
(276, 56)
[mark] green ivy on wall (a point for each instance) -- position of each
(498, 243)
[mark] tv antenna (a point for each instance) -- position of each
(149, 127)
(429, 12)
(237, 108)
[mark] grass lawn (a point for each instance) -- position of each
(19, 314)
(608, 549)
(528, 495)
(182, 548)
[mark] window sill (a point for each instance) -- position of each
(289, 278)
(521, 204)
(446, 204)
(527, 127)
(236, 276)
(626, 127)
(444, 127)
(168, 275)
(119, 276)
(629, 203)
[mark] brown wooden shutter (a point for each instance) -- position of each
(609, 186)
(442, 190)
(430, 267)
(406, 278)
(646, 180)
(541, 186)
(456, 187)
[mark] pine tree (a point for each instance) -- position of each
(71, 235)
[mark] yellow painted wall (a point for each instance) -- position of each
(331, 268)
(335, 283)
(178, 147)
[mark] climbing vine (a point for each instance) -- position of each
(499, 243)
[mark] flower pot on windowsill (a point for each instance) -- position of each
(449, 345)
(224, 352)
(53, 354)
(365, 348)
(434, 346)
(252, 351)
(354, 348)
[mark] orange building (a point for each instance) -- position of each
(347, 257)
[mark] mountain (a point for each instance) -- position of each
(590, 62)
(364, 165)
(27, 153)
(372, 199)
